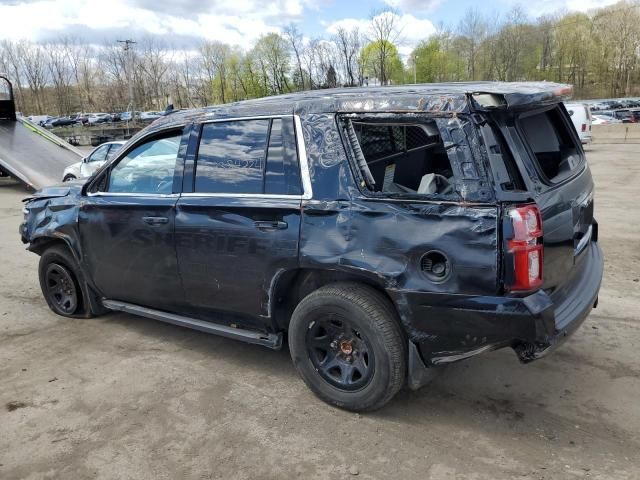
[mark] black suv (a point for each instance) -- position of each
(384, 231)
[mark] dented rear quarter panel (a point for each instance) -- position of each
(383, 240)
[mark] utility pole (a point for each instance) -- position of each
(415, 62)
(126, 46)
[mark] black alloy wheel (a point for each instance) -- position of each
(61, 289)
(347, 345)
(340, 353)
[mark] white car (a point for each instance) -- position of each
(89, 164)
(581, 117)
(98, 118)
(604, 120)
(150, 115)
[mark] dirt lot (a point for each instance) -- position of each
(122, 397)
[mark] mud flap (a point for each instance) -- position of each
(419, 374)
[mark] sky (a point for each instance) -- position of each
(184, 23)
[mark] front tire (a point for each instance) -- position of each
(347, 345)
(69, 178)
(59, 275)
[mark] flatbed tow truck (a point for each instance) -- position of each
(28, 152)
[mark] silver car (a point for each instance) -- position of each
(92, 162)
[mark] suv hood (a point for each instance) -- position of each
(56, 191)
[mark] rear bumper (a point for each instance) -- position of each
(448, 328)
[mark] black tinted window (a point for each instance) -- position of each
(231, 157)
(283, 172)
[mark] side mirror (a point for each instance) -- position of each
(85, 159)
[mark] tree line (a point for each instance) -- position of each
(598, 52)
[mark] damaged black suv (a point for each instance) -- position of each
(384, 231)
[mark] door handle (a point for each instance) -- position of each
(270, 225)
(155, 220)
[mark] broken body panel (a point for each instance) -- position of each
(342, 230)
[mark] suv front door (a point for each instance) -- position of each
(127, 224)
(238, 220)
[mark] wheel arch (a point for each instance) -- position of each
(42, 243)
(293, 285)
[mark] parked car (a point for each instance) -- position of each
(82, 118)
(625, 116)
(127, 117)
(604, 119)
(598, 106)
(88, 165)
(48, 123)
(385, 231)
(64, 122)
(580, 114)
(39, 119)
(146, 116)
(94, 118)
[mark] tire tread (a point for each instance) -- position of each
(385, 320)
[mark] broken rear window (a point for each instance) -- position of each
(404, 158)
(549, 136)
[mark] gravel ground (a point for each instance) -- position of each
(121, 397)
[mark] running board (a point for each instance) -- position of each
(270, 340)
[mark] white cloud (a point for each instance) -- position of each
(249, 20)
(414, 6)
(411, 29)
(586, 5)
(546, 7)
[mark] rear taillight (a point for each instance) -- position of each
(584, 127)
(525, 246)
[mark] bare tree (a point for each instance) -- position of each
(384, 32)
(59, 64)
(154, 63)
(34, 66)
(348, 45)
(473, 29)
(295, 39)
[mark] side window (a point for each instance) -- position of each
(248, 156)
(113, 150)
(405, 158)
(99, 154)
(282, 175)
(148, 168)
(231, 157)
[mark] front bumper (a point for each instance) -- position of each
(448, 328)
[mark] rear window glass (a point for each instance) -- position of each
(405, 158)
(231, 157)
(249, 157)
(553, 146)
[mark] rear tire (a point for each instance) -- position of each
(347, 345)
(60, 276)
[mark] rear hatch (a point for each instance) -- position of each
(560, 181)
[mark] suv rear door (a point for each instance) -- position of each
(238, 219)
(556, 174)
